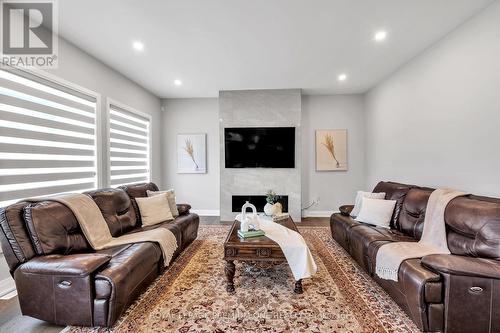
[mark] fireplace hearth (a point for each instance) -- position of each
(258, 200)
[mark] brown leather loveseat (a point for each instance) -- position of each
(61, 279)
(441, 293)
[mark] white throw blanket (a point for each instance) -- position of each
(96, 230)
(433, 240)
(292, 244)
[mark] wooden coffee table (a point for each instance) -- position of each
(253, 250)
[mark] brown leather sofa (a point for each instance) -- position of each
(61, 279)
(441, 293)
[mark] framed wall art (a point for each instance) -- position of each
(331, 150)
(192, 153)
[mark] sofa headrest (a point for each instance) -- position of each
(394, 191)
(117, 209)
(474, 226)
(411, 217)
(138, 191)
(16, 243)
(54, 229)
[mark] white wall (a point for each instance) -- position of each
(200, 115)
(436, 121)
(192, 115)
(80, 68)
(333, 188)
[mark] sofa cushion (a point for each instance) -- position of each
(411, 217)
(340, 226)
(130, 270)
(474, 226)
(54, 229)
(376, 212)
(362, 236)
(358, 202)
(171, 200)
(116, 208)
(394, 191)
(154, 209)
(184, 228)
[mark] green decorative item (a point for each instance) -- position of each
(272, 197)
(270, 208)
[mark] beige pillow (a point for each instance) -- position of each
(171, 200)
(154, 210)
(377, 212)
(359, 199)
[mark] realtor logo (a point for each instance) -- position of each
(29, 33)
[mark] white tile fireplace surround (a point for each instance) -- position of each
(260, 108)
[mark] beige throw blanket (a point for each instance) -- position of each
(292, 244)
(96, 230)
(433, 241)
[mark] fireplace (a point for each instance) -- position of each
(258, 200)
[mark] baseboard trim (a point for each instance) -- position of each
(7, 288)
(312, 213)
(206, 212)
(318, 213)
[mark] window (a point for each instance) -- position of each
(47, 137)
(129, 142)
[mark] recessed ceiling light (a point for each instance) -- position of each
(138, 46)
(380, 35)
(178, 82)
(342, 77)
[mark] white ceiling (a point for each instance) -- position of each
(214, 45)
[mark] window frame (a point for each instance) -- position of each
(107, 120)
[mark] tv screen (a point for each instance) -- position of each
(262, 147)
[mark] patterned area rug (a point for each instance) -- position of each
(191, 295)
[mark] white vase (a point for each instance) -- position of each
(246, 221)
(269, 209)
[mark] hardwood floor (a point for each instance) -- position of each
(12, 321)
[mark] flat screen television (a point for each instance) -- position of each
(260, 147)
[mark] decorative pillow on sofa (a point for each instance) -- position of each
(154, 209)
(376, 211)
(360, 195)
(171, 200)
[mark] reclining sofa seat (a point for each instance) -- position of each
(453, 293)
(61, 279)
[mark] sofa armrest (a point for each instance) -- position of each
(68, 265)
(59, 288)
(183, 209)
(346, 209)
(463, 266)
(471, 288)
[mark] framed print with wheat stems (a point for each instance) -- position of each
(331, 150)
(192, 153)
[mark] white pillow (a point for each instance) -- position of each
(360, 195)
(171, 200)
(376, 211)
(154, 209)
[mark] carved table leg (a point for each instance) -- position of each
(229, 270)
(298, 287)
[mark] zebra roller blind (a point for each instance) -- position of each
(129, 146)
(47, 138)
